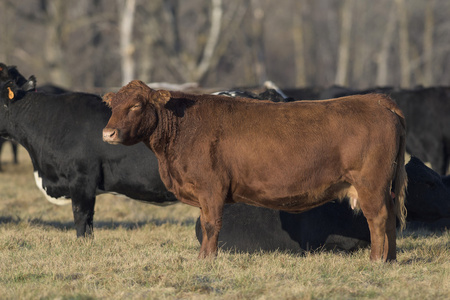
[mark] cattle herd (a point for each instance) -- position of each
(305, 170)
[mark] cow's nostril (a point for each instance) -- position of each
(113, 133)
(109, 134)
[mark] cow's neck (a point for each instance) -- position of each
(165, 131)
(20, 115)
(25, 119)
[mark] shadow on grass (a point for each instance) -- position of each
(97, 224)
(437, 224)
(426, 229)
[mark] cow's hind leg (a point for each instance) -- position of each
(379, 212)
(390, 246)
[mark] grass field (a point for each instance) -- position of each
(142, 251)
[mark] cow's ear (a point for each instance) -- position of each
(107, 98)
(161, 97)
(8, 92)
(11, 94)
(30, 84)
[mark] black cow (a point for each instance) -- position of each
(51, 89)
(428, 197)
(332, 226)
(268, 94)
(63, 135)
(307, 93)
(427, 112)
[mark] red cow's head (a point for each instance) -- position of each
(134, 113)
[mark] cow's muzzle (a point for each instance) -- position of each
(111, 135)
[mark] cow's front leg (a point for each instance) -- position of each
(83, 214)
(211, 223)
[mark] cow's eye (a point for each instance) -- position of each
(136, 106)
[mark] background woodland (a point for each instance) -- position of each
(93, 44)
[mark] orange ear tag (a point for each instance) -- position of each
(10, 94)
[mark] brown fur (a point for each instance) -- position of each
(288, 156)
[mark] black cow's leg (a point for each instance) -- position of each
(83, 214)
(2, 141)
(14, 150)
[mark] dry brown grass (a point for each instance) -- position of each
(146, 252)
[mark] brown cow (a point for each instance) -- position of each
(293, 156)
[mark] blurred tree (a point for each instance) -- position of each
(299, 48)
(126, 10)
(55, 23)
(382, 58)
(344, 45)
(257, 40)
(428, 43)
(7, 31)
(404, 44)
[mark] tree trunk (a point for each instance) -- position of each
(211, 43)
(126, 44)
(344, 45)
(403, 44)
(259, 56)
(54, 53)
(383, 55)
(428, 43)
(234, 25)
(299, 51)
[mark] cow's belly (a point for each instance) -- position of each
(288, 198)
(65, 200)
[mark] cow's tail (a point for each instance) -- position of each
(400, 181)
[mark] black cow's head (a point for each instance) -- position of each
(134, 113)
(8, 91)
(13, 85)
(11, 73)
